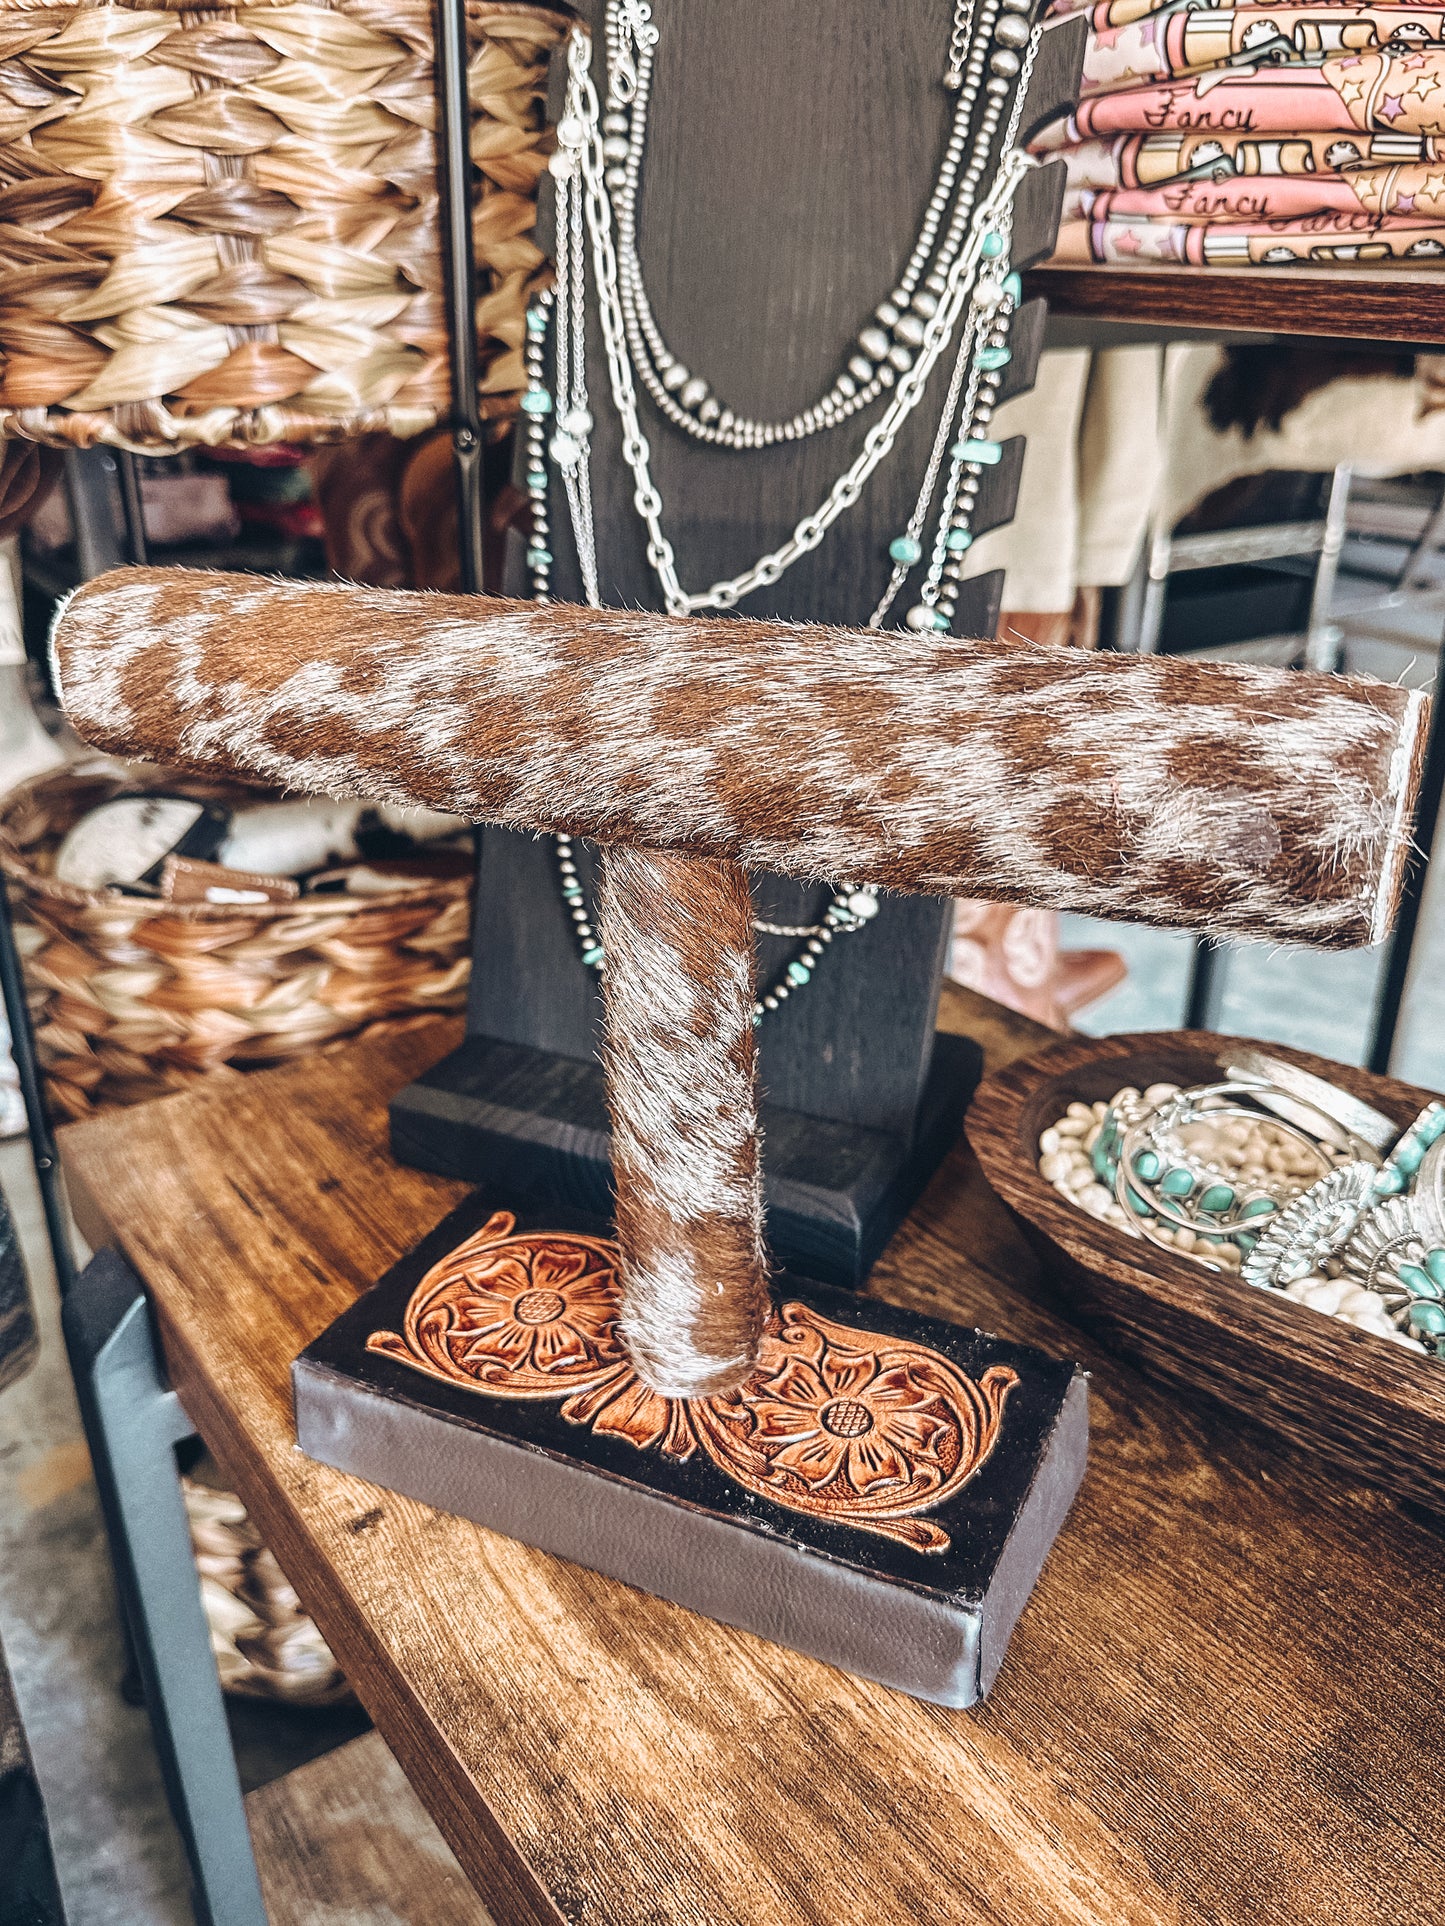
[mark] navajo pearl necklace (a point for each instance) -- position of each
(888, 344)
(980, 240)
(971, 275)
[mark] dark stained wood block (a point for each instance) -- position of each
(534, 1122)
(768, 232)
(881, 1495)
(861, 1099)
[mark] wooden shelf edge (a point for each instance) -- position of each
(346, 1830)
(1353, 305)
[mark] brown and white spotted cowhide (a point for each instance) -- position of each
(1235, 800)
(681, 1086)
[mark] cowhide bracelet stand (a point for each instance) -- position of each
(680, 1063)
(872, 1487)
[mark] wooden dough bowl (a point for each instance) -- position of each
(1369, 1406)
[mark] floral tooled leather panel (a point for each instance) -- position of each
(857, 1428)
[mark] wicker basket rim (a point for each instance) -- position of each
(548, 11)
(113, 901)
(539, 10)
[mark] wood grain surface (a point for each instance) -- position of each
(1378, 1411)
(1308, 301)
(1220, 1708)
(344, 1837)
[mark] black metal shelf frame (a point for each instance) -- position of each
(1204, 991)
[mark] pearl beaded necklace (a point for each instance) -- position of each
(888, 344)
(977, 281)
(965, 277)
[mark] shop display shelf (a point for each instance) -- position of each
(1352, 303)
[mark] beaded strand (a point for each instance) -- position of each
(850, 909)
(974, 236)
(888, 343)
(964, 278)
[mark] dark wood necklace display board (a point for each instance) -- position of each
(789, 158)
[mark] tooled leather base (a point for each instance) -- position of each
(880, 1494)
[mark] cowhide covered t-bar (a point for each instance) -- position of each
(1231, 800)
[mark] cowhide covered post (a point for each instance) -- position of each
(680, 1060)
(1223, 798)
(1219, 798)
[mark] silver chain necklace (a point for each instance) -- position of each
(970, 280)
(888, 343)
(984, 229)
(851, 907)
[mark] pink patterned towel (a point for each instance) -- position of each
(1256, 136)
(1320, 239)
(1173, 41)
(1363, 196)
(1388, 93)
(1149, 160)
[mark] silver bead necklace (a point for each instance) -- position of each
(887, 345)
(968, 277)
(852, 906)
(977, 275)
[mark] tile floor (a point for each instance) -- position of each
(1316, 1002)
(116, 1850)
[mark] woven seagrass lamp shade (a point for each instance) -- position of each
(219, 226)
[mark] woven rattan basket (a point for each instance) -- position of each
(220, 224)
(265, 1645)
(135, 998)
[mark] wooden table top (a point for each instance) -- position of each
(1223, 1704)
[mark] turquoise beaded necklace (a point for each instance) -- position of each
(851, 907)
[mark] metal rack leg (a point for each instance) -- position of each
(42, 1143)
(97, 549)
(1156, 588)
(133, 509)
(1323, 637)
(133, 1422)
(1205, 995)
(454, 142)
(92, 513)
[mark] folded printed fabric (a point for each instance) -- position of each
(1172, 41)
(1364, 198)
(1149, 160)
(1388, 93)
(1315, 239)
(1255, 136)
